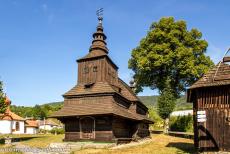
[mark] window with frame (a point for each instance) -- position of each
(95, 69)
(17, 126)
(140, 110)
(86, 70)
(109, 71)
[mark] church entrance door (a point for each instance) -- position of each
(87, 128)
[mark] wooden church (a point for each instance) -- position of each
(102, 106)
(210, 96)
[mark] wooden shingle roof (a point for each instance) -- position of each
(90, 106)
(126, 91)
(93, 54)
(103, 88)
(98, 87)
(219, 75)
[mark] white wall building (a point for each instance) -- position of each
(182, 113)
(10, 123)
(48, 125)
(31, 127)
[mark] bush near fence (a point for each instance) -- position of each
(181, 123)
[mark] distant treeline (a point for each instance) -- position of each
(181, 104)
(37, 111)
(43, 111)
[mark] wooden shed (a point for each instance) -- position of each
(102, 106)
(210, 96)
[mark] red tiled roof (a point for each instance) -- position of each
(31, 123)
(7, 101)
(8, 115)
(11, 116)
(47, 122)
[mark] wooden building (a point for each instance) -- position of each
(211, 105)
(102, 106)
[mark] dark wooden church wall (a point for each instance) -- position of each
(215, 132)
(121, 102)
(140, 110)
(122, 127)
(87, 72)
(72, 129)
(133, 107)
(111, 74)
(97, 70)
(143, 130)
(103, 128)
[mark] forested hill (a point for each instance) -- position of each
(181, 103)
(44, 110)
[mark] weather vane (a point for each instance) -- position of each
(100, 14)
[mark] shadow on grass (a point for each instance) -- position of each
(19, 139)
(185, 147)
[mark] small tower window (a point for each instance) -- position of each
(113, 74)
(88, 85)
(86, 70)
(95, 69)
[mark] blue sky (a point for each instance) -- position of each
(41, 39)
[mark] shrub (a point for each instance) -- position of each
(57, 131)
(181, 123)
(158, 121)
(42, 131)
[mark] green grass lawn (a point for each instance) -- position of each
(160, 144)
(43, 140)
(40, 140)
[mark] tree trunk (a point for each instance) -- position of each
(166, 126)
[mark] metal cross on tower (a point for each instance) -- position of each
(100, 14)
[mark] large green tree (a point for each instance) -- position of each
(165, 105)
(3, 105)
(38, 112)
(170, 55)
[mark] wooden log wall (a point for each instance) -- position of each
(214, 134)
(103, 128)
(121, 128)
(143, 130)
(213, 97)
(90, 71)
